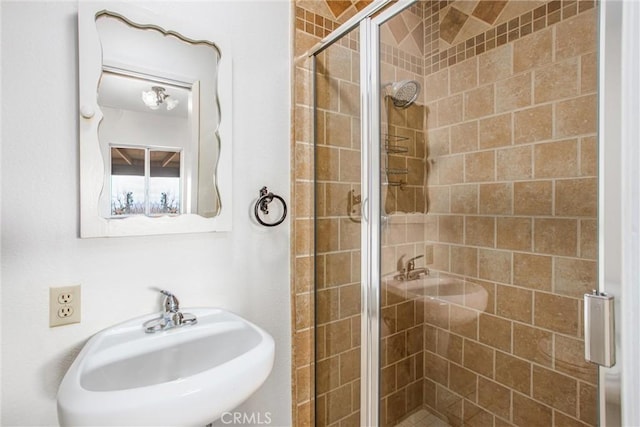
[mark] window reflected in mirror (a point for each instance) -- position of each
(145, 181)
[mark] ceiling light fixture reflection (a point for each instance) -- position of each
(158, 96)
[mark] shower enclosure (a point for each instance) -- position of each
(456, 214)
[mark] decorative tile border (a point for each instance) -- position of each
(544, 16)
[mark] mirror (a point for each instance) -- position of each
(153, 127)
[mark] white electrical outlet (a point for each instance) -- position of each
(64, 305)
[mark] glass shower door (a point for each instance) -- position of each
(338, 219)
(488, 212)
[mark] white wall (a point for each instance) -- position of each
(246, 270)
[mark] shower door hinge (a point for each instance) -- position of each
(599, 329)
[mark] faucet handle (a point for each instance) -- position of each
(171, 303)
(411, 263)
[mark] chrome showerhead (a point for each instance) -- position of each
(403, 93)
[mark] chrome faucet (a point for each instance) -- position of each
(171, 317)
(409, 271)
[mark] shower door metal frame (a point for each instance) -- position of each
(373, 220)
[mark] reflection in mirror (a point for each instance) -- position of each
(158, 135)
(145, 181)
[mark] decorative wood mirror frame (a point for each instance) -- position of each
(92, 164)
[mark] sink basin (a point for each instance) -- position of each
(183, 376)
(438, 293)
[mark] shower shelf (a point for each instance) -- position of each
(394, 138)
(395, 149)
(397, 171)
(400, 184)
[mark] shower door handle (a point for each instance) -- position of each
(599, 329)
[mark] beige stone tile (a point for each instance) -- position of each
(577, 116)
(556, 390)
(533, 344)
(495, 64)
(349, 99)
(304, 414)
(514, 163)
(533, 124)
(588, 404)
(349, 366)
(557, 313)
(589, 73)
(303, 341)
(513, 93)
(574, 277)
(495, 332)
(528, 412)
(475, 416)
(462, 381)
(327, 374)
(557, 159)
(564, 420)
(478, 358)
(303, 199)
(514, 303)
(327, 305)
(450, 346)
(327, 92)
(339, 403)
(494, 265)
(464, 137)
(416, 115)
(451, 228)
(335, 199)
(438, 142)
(569, 359)
(303, 124)
(514, 233)
(436, 368)
(303, 161)
(463, 76)
(556, 236)
(468, 329)
(439, 198)
(577, 197)
(338, 337)
(588, 239)
(556, 81)
(479, 102)
(494, 397)
(441, 257)
(533, 50)
(496, 199)
(532, 271)
(479, 166)
(533, 198)
(450, 169)
(303, 274)
(449, 405)
(328, 235)
(480, 231)
(496, 131)
(328, 164)
(450, 110)
(303, 310)
(589, 156)
(349, 234)
(338, 129)
(437, 85)
(464, 260)
(350, 166)
(577, 35)
(513, 372)
(304, 236)
(464, 199)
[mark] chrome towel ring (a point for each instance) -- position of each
(262, 204)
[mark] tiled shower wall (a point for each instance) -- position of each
(513, 191)
(508, 209)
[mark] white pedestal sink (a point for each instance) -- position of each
(189, 375)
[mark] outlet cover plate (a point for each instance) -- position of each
(63, 300)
